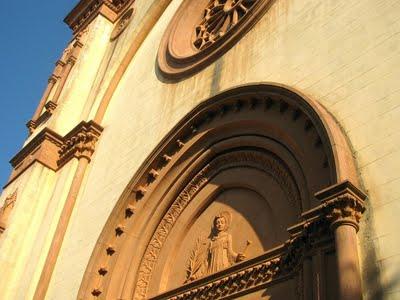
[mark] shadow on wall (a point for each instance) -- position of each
(371, 272)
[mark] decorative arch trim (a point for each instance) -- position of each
(286, 121)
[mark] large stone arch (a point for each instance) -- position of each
(247, 141)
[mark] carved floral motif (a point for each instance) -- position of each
(220, 16)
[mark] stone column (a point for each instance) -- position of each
(343, 205)
(80, 144)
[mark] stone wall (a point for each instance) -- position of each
(342, 53)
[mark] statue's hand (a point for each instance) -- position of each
(240, 257)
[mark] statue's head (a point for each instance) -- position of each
(222, 221)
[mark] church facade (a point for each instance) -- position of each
(212, 149)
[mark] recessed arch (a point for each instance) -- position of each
(267, 127)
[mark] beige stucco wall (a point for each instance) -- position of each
(343, 53)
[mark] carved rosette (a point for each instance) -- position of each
(202, 30)
(80, 142)
(220, 16)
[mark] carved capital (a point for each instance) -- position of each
(80, 142)
(52, 150)
(342, 204)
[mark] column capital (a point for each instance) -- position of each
(80, 142)
(343, 204)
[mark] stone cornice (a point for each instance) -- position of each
(86, 10)
(42, 148)
(53, 150)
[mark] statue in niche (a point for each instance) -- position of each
(214, 253)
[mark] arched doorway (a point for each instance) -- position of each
(270, 165)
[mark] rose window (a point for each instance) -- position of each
(219, 17)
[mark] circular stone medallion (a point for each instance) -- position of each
(202, 30)
(122, 23)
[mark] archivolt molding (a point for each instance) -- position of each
(234, 159)
(258, 97)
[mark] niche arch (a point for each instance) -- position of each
(266, 131)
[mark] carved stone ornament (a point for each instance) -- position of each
(53, 151)
(177, 181)
(6, 209)
(122, 23)
(343, 204)
(214, 253)
(279, 264)
(220, 16)
(270, 165)
(203, 30)
(80, 142)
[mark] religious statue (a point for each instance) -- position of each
(215, 252)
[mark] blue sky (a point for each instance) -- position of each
(33, 36)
